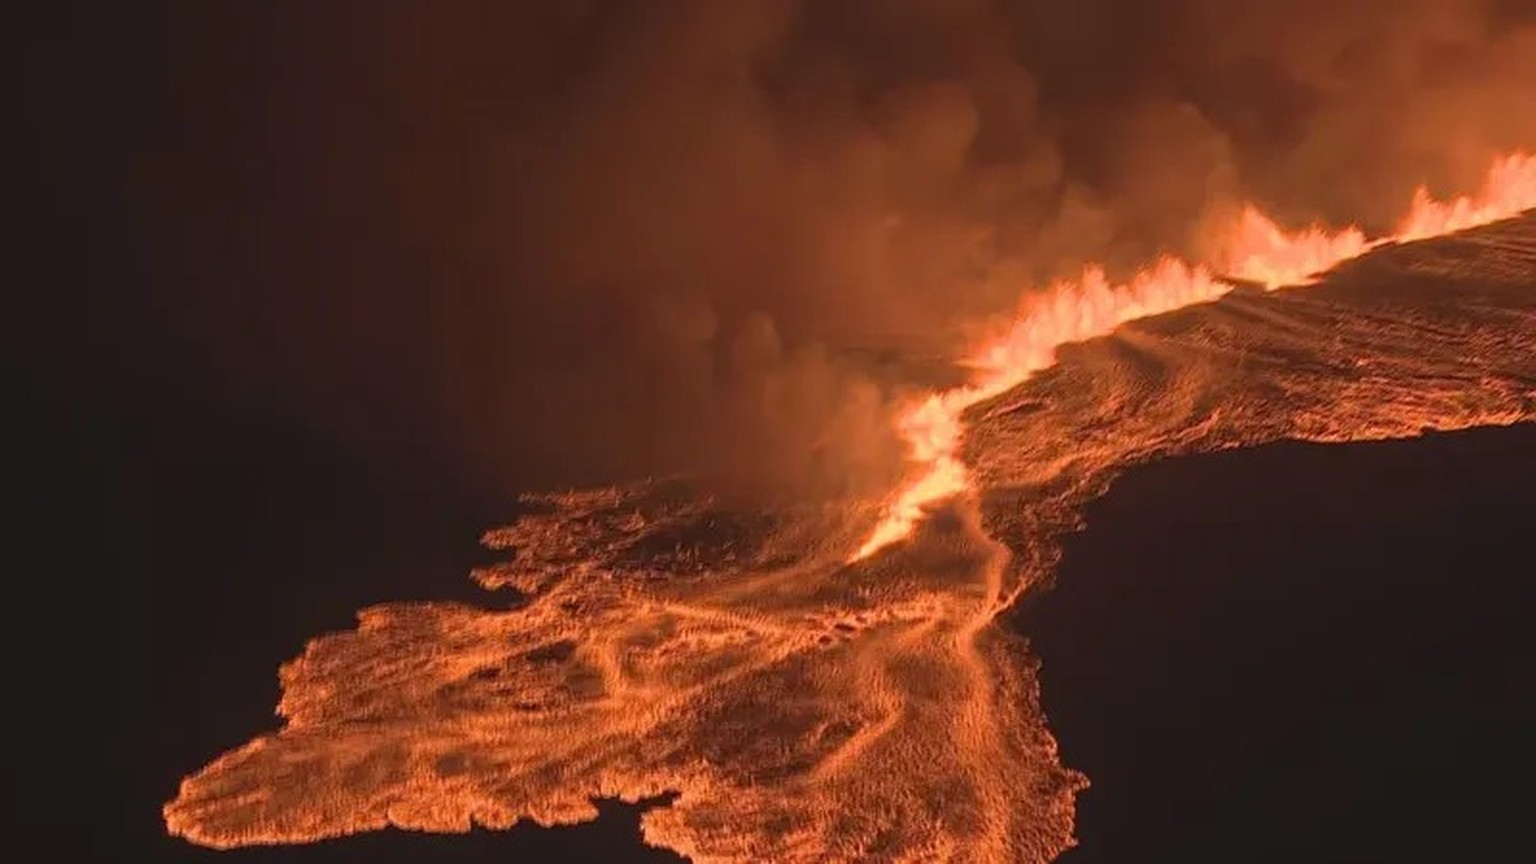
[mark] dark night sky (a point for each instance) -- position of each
(306, 297)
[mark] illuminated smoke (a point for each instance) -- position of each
(676, 226)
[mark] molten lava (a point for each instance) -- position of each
(805, 709)
(1259, 251)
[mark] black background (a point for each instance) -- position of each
(1301, 653)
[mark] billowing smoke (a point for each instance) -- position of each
(565, 242)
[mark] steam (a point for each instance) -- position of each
(609, 239)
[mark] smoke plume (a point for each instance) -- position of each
(589, 240)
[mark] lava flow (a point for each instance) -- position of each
(1259, 251)
(805, 708)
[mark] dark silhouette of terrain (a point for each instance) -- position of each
(1301, 653)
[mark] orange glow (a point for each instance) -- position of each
(1509, 189)
(1258, 250)
(666, 641)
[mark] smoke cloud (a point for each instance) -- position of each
(565, 242)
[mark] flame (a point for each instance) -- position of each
(1509, 189)
(1257, 250)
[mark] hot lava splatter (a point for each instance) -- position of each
(809, 708)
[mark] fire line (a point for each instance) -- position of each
(1260, 251)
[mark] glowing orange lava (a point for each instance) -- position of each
(1259, 251)
(801, 710)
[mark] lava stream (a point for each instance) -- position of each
(1259, 251)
